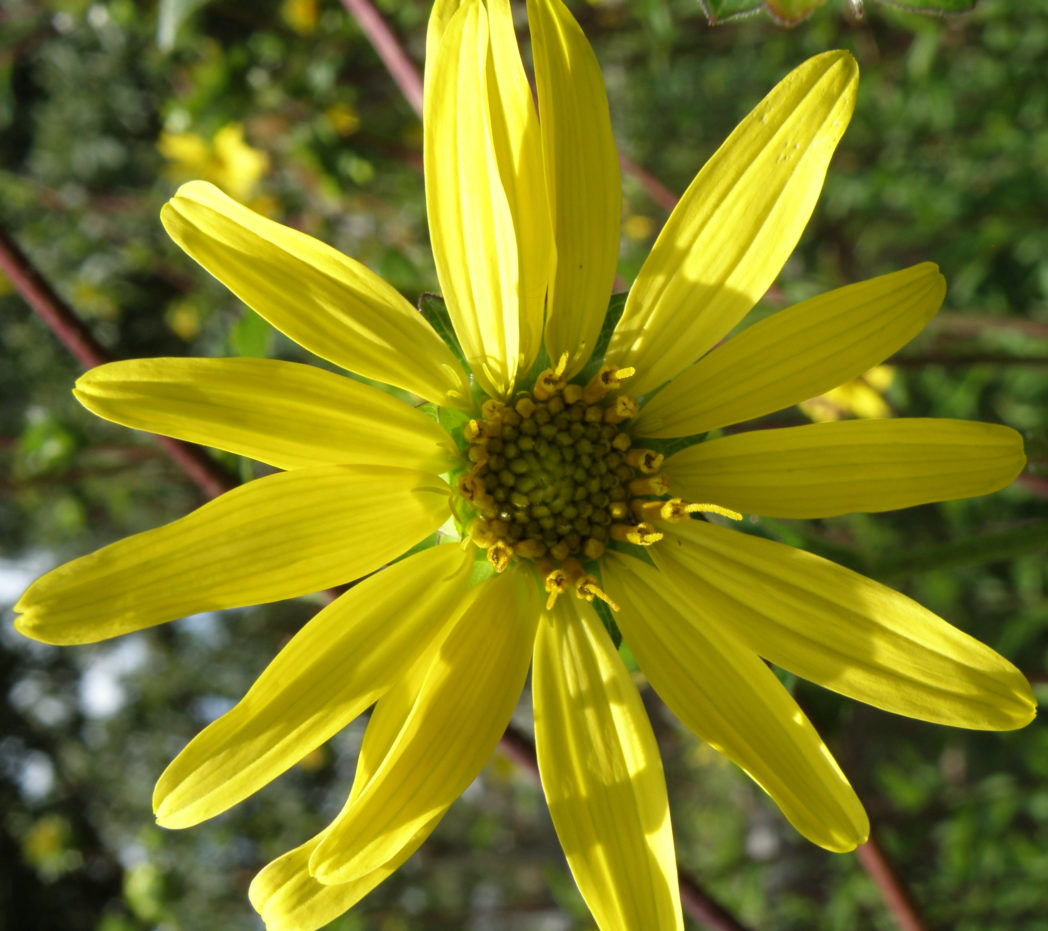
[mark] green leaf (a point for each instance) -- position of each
(435, 311)
(616, 303)
(170, 15)
(931, 6)
(251, 336)
(719, 10)
(791, 12)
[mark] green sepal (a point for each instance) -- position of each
(252, 335)
(607, 618)
(434, 310)
(616, 304)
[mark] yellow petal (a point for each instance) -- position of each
(285, 893)
(330, 671)
(288, 898)
(282, 413)
(582, 176)
(733, 229)
(324, 301)
(485, 194)
(465, 703)
(602, 774)
(797, 353)
(725, 694)
(843, 631)
(847, 466)
(277, 537)
(439, 16)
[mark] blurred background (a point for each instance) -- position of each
(106, 106)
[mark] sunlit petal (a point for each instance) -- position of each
(465, 703)
(330, 671)
(282, 413)
(277, 537)
(733, 229)
(843, 631)
(324, 301)
(824, 469)
(724, 693)
(485, 193)
(602, 774)
(582, 175)
(797, 353)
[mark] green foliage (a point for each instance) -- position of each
(792, 12)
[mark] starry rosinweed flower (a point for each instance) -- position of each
(551, 470)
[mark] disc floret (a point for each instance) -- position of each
(554, 477)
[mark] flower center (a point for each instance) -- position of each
(554, 476)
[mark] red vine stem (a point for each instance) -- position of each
(211, 478)
(879, 868)
(400, 67)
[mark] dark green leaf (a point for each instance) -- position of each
(719, 10)
(435, 310)
(251, 336)
(932, 6)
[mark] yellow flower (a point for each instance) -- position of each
(552, 468)
(227, 160)
(861, 397)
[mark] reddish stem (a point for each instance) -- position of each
(401, 68)
(653, 187)
(209, 476)
(896, 896)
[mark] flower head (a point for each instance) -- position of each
(563, 464)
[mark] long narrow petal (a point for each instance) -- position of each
(284, 893)
(602, 774)
(582, 176)
(282, 413)
(485, 194)
(330, 671)
(797, 353)
(843, 631)
(466, 701)
(277, 537)
(733, 229)
(288, 898)
(848, 466)
(324, 301)
(725, 694)
(441, 13)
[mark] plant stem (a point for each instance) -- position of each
(211, 478)
(879, 868)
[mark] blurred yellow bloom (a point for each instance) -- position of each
(343, 118)
(184, 319)
(859, 397)
(226, 161)
(300, 15)
(548, 460)
(637, 226)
